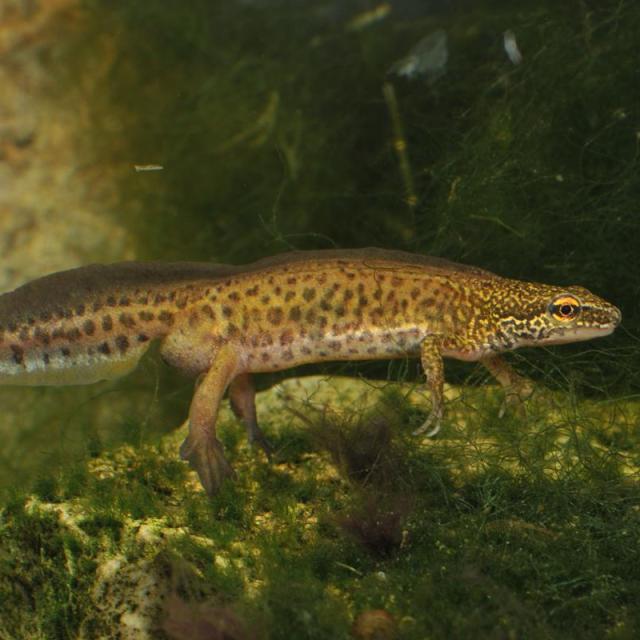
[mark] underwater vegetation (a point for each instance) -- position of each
(499, 134)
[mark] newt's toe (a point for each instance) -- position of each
(207, 459)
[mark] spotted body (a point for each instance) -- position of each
(224, 323)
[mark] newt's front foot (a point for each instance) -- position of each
(205, 456)
(515, 397)
(432, 424)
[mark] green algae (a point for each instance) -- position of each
(515, 527)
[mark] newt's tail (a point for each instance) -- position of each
(205, 456)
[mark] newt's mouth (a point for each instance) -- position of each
(580, 334)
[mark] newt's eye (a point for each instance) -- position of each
(565, 308)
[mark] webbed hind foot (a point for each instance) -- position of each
(206, 457)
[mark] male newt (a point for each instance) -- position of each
(224, 323)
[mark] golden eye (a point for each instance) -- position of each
(565, 308)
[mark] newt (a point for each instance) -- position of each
(223, 323)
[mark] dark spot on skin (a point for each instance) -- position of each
(65, 351)
(427, 302)
(265, 299)
(227, 311)
(143, 300)
(172, 296)
(146, 316)
(232, 330)
(166, 318)
(18, 353)
(396, 282)
(309, 294)
(287, 355)
(107, 323)
(213, 298)
(286, 337)
(415, 292)
(306, 351)
(182, 303)
(234, 296)
(97, 306)
(45, 316)
(104, 348)
(404, 304)
(13, 327)
(126, 320)
(348, 294)
(45, 358)
(339, 311)
(275, 315)
(42, 335)
(353, 350)
(267, 339)
(325, 305)
(208, 311)
(73, 334)
(323, 322)
(335, 345)
(360, 288)
(265, 356)
(124, 301)
(295, 314)
(122, 342)
(350, 275)
(24, 334)
(377, 294)
(111, 301)
(292, 280)
(80, 309)
(289, 296)
(270, 279)
(323, 354)
(143, 337)
(278, 290)
(159, 298)
(89, 327)
(58, 332)
(67, 313)
(363, 301)
(371, 350)
(311, 316)
(253, 291)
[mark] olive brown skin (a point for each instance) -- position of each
(223, 323)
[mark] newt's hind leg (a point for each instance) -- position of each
(242, 396)
(201, 448)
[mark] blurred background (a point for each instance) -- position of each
(501, 134)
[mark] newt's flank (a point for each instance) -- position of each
(224, 323)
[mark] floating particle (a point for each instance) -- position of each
(148, 167)
(511, 47)
(367, 18)
(428, 57)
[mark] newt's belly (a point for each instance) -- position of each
(267, 352)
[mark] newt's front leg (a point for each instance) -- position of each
(517, 388)
(433, 367)
(201, 448)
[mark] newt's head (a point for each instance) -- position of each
(534, 315)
